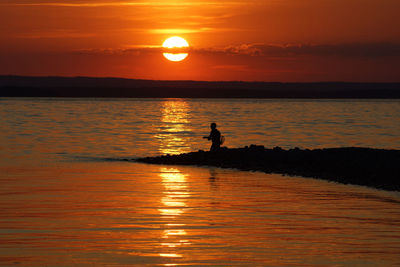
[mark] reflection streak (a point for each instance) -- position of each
(176, 191)
(174, 123)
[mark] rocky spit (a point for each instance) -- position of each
(377, 168)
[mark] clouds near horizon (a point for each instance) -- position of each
(246, 40)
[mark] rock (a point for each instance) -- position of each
(378, 168)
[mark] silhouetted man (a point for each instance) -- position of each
(215, 137)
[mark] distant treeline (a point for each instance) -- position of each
(20, 86)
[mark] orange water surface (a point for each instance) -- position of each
(68, 198)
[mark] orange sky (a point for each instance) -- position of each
(274, 40)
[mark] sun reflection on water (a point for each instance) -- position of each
(174, 201)
(175, 192)
(174, 124)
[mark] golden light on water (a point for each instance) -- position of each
(174, 200)
(175, 192)
(175, 42)
(175, 118)
(174, 123)
(148, 215)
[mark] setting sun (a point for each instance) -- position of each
(162, 133)
(174, 43)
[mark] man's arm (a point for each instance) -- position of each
(208, 137)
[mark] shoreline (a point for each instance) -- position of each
(59, 86)
(378, 168)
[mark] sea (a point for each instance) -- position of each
(70, 196)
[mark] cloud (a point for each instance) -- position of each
(122, 3)
(54, 34)
(367, 50)
(131, 50)
(189, 30)
(344, 50)
(177, 31)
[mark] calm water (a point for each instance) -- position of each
(66, 199)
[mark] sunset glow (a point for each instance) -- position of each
(199, 133)
(229, 40)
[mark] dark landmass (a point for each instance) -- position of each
(377, 168)
(21, 86)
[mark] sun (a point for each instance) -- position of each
(175, 43)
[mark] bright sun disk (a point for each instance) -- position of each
(175, 42)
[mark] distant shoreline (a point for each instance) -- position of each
(24, 86)
(378, 168)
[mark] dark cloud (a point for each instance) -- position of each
(135, 50)
(363, 50)
(345, 50)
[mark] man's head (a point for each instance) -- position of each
(213, 125)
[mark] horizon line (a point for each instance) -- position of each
(189, 80)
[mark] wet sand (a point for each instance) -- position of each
(377, 168)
